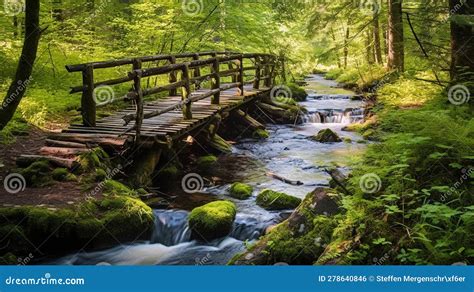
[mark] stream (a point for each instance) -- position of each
(288, 152)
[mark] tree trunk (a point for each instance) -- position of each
(369, 48)
(346, 46)
(25, 65)
(377, 46)
(462, 43)
(396, 51)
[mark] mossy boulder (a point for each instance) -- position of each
(100, 175)
(114, 187)
(62, 174)
(97, 158)
(213, 220)
(38, 174)
(271, 200)
(92, 224)
(327, 136)
(240, 191)
(298, 92)
(206, 162)
(260, 134)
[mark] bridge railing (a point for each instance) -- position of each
(262, 66)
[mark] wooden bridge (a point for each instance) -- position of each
(193, 88)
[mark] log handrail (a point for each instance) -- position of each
(264, 67)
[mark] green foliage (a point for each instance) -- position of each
(241, 191)
(212, 220)
(272, 200)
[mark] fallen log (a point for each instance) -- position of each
(248, 120)
(63, 151)
(285, 180)
(57, 143)
(101, 140)
(26, 160)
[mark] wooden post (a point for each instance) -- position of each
(197, 71)
(266, 71)
(137, 65)
(216, 82)
(173, 78)
(88, 104)
(271, 80)
(186, 94)
(283, 68)
(256, 83)
(240, 77)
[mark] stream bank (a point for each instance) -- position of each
(288, 152)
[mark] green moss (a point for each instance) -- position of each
(97, 158)
(347, 140)
(272, 200)
(205, 162)
(326, 136)
(62, 174)
(241, 191)
(113, 187)
(100, 175)
(92, 223)
(170, 172)
(261, 134)
(298, 92)
(213, 220)
(38, 174)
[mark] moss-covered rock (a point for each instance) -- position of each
(298, 92)
(213, 220)
(97, 158)
(271, 200)
(100, 175)
(62, 174)
(240, 191)
(300, 239)
(326, 136)
(38, 174)
(206, 162)
(114, 187)
(260, 134)
(92, 224)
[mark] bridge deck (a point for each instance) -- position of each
(171, 124)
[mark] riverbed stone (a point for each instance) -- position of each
(271, 200)
(327, 136)
(241, 191)
(213, 220)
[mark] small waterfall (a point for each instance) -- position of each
(171, 227)
(347, 116)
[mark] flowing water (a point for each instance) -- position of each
(288, 153)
